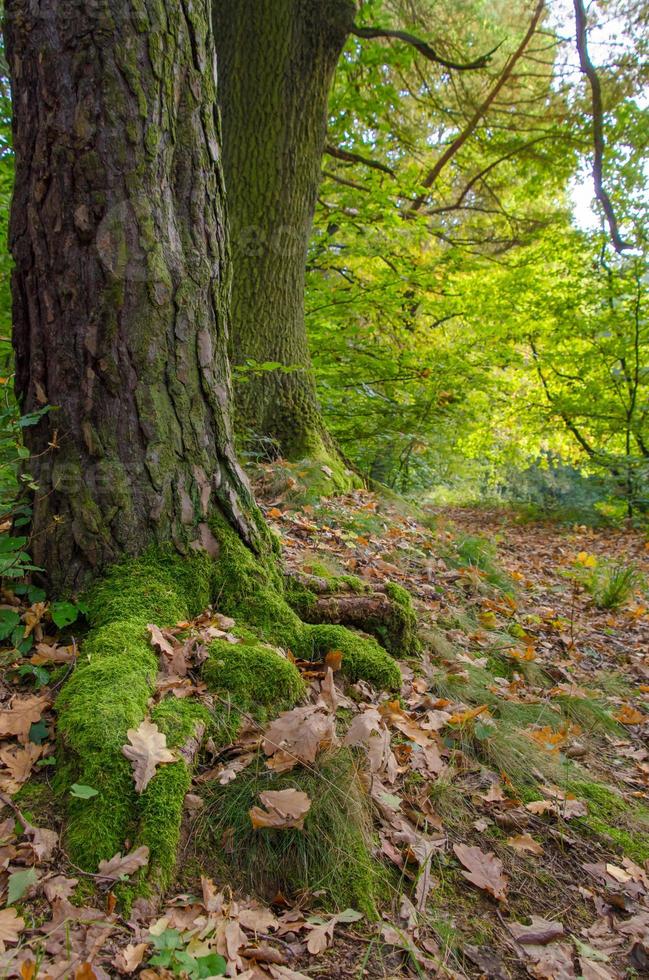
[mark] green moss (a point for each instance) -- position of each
(623, 822)
(251, 590)
(363, 658)
(109, 692)
(331, 855)
(252, 673)
(161, 810)
(402, 629)
(179, 719)
(161, 586)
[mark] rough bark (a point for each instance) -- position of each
(120, 291)
(276, 61)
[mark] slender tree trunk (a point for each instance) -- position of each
(276, 61)
(120, 287)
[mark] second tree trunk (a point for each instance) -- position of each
(276, 60)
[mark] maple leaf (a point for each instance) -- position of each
(284, 808)
(484, 869)
(11, 925)
(118, 866)
(147, 750)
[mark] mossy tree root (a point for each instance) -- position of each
(111, 688)
(109, 693)
(385, 611)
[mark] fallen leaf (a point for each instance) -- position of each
(20, 762)
(297, 736)
(59, 887)
(129, 958)
(540, 931)
(11, 925)
(21, 714)
(284, 808)
(484, 869)
(117, 867)
(629, 715)
(148, 749)
(525, 843)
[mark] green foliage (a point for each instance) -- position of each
(612, 584)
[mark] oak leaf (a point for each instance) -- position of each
(129, 958)
(284, 808)
(147, 750)
(117, 867)
(525, 843)
(484, 869)
(297, 736)
(11, 925)
(21, 714)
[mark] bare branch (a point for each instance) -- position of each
(423, 47)
(349, 157)
(597, 110)
(470, 128)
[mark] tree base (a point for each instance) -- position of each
(114, 680)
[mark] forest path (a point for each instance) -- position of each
(509, 798)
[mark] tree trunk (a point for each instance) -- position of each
(120, 286)
(276, 59)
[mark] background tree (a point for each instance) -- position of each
(276, 62)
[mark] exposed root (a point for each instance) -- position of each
(110, 690)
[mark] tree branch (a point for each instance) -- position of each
(349, 157)
(423, 47)
(597, 109)
(461, 139)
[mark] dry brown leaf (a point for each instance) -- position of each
(284, 808)
(59, 887)
(21, 714)
(43, 842)
(46, 653)
(484, 869)
(257, 919)
(320, 936)
(147, 750)
(118, 866)
(173, 655)
(525, 843)
(297, 736)
(540, 931)
(11, 925)
(129, 958)
(20, 761)
(328, 692)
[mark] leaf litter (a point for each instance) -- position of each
(407, 747)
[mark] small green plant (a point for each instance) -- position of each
(472, 551)
(171, 955)
(611, 584)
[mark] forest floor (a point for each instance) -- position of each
(509, 783)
